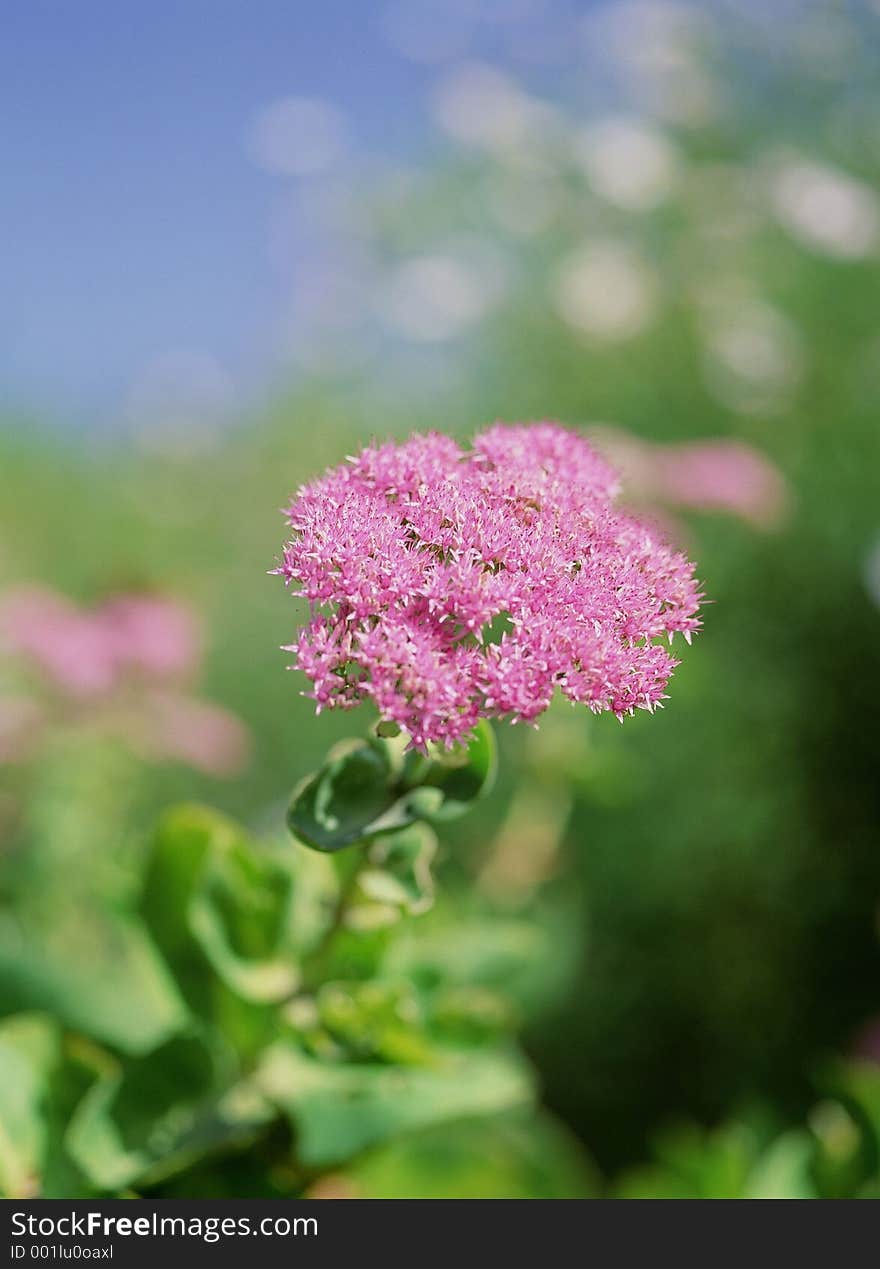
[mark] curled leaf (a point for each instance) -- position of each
(369, 788)
(399, 869)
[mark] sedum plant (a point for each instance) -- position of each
(294, 1015)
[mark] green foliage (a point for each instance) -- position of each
(509, 1156)
(28, 1052)
(835, 1154)
(93, 969)
(274, 1053)
(372, 787)
(338, 1110)
(398, 873)
(846, 1128)
(734, 1161)
(155, 1115)
(374, 1021)
(221, 915)
(348, 800)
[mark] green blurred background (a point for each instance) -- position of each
(691, 255)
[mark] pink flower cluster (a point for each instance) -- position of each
(125, 665)
(449, 584)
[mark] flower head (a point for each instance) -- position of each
(449, 584)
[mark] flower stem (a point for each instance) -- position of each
(312, 970)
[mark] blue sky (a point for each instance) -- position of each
(136, 226)
(133, 220)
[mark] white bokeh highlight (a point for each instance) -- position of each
(628, 162)
(298, 136)
(825, 209)
(440, 295)
(606, 290)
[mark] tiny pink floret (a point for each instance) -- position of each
(450, 584)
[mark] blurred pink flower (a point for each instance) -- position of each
(65, 644)
(151, 633)
(86, 652)
(203, 736)
(449, 584)
(122, 666)
(717, 475)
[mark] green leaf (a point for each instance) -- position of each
(374, 1021)
(82, 1064)
(339, 1110)
(335, 807)
(470, 1014)
(357, 951)
(464, 774)
(154, 1116)
(399, 869)
(29, 1051)
(238, 915)
(369, 788)
(844, 1156)
(510, 1156)
(846, 1126)
(694, 1163)
(784, 1169)
(219, 908)
(463, 949)
(857, 1084)
(94, 970)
